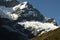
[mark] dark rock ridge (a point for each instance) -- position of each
(31, 15)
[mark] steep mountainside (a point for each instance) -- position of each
(23, 21)
(51, 35)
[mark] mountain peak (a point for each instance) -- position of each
(24, 18)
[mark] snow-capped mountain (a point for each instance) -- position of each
(21, 10)
(24, 18)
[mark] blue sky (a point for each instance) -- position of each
(49, 8)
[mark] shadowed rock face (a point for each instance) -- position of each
(8, 3)
(6, 34)
(10, 32)
(4, 21)
(28, 13)
(51, 20)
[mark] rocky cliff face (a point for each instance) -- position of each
(9, 3)
(24, 21)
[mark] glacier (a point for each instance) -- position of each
(35, 27)
(25, 19)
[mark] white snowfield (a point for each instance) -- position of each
(35, 27)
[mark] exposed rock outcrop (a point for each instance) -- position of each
(51, 20)
(27, 12)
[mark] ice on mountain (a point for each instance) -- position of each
(26, 19)
(37, 27)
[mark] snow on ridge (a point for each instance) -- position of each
(38, 26)
(20, 6)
